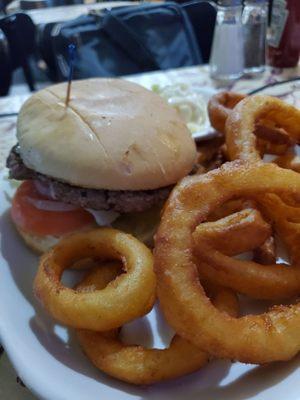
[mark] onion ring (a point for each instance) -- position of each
(286, 219)
(241, 124)
(258, 339)
(267, 130)
(136, 364)
(232, 235)
(265, 147)
(220, 106)
(230, 207)
(273, 284)
(269, 138)
(277, 281)
(235, 234)
(266, 253)
(289, 161)
(128, 297)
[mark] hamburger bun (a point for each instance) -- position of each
(39, 244)
(113, 135)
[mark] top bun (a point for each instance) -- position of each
(114, 135)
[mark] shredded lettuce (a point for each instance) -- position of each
(189, 104)
(142, 225)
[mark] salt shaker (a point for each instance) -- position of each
(254, 20)
(227, 56)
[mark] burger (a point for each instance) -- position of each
(110, 157)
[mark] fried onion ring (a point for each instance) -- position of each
(270, 139)
(289, 161)
(265, 147)
(232, 235)
(220, 106)
(240, 275)
(241, 124)
(277, 281)
(258, 339)
(235, 234)
(229, 208)
(266, 253)
(286, 219)
(136, 364)
(129, 296)
(267, 130)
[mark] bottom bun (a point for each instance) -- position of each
(40, 244)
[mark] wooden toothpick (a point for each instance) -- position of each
(71, 51)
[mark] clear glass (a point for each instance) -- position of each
(227, 56)
(254, 20)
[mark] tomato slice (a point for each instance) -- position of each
(38, 221)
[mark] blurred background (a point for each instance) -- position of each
(112, 38)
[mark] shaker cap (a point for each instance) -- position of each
(230, 2)
(256, 1)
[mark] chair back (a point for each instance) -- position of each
(19, 30)
(5, 65)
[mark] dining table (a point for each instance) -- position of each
(11, 385)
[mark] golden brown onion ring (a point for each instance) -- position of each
(220, 106)
(136, 364)
(240, 126)
(265, 147)
(288, 161)
(273, 283)
(266, 253)
(271, 139)
(230, 207)
(267, 130)
(236, 233)
(232, 235)
(129, 296)
(286, 219)
(257, 339)
(277, 281)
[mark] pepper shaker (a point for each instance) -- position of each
(254, 20)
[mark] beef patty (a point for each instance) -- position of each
(121, 201)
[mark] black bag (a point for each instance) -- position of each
(202, 15)
(125, 40)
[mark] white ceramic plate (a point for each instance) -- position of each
(48, 359)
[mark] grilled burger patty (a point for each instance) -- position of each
(121, 201)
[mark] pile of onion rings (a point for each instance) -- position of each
(112, 294)
(257, 339)
(256, 125)
(279, 120)
(136, 364)
(210, 218)
(189, 249)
